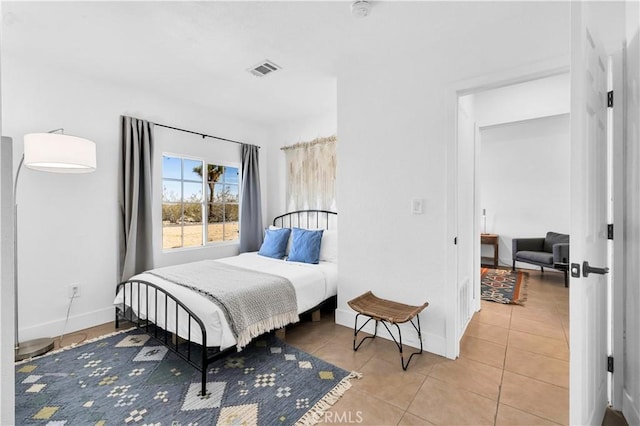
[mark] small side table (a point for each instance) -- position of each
(491, 240)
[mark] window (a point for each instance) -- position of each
(223, 203)
(190, 201)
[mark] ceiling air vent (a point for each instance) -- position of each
(263, 68)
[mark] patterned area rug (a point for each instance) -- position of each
(128, 378)
(503, 286)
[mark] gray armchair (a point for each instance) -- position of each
(551, 251)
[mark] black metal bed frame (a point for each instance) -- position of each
(188, 350)
(297, 218)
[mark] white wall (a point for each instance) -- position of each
(631, 391)
(393, 121)
(289, 134)
(68, 223)
(524, 180)
(541, 97)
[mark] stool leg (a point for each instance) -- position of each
(404, 367)
(399, 344)
(418, 329)
(357, 330)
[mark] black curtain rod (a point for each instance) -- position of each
(201, 134)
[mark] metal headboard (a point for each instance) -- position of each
(308, 219)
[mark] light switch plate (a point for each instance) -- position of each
(417, 206)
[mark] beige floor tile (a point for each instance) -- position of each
(536, 366)
(410, 420)
(563, 306)
(488, 332)
(309, 340)
(500, 308)
(470, 375)
(389, 382)
(445, 404)
(538, 299)
(535, 397)
(306, 345)
(357, 407)
(536, 327)
(491, 317)
(567, 335)
(482, 351)
(539, 344)
(387, 350)
(337, 353)
(509, 416)
(542, 311)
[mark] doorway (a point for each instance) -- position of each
(513, 146)
(513, 152)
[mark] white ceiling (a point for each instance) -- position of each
(199, 51)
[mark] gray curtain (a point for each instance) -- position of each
(250, 206)
(136, 247)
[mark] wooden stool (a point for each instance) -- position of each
(385, 311)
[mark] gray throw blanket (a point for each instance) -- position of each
(252, 302)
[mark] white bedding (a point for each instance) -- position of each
(313, 284)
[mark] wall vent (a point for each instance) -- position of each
(263, 68)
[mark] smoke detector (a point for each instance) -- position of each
(360, 8)
(263, 68)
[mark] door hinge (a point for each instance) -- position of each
(610, 99)
(610, 364)
(610, 231)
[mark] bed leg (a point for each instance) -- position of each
(203, 389)
(281, 333)
(315, 315)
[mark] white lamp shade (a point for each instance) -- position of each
(59, 153)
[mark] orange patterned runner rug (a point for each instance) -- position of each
(503, 286)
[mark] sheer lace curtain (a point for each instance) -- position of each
(311, 174)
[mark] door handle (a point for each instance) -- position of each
(586, 269)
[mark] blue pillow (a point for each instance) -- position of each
(305, 246)
(275, 243)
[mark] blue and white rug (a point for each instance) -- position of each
(128, 378)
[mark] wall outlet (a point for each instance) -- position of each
(73, 290)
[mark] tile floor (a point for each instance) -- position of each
(513, 367)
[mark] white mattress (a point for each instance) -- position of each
(313, 284)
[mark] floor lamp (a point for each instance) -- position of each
(47, 152)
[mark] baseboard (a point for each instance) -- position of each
(630, 409)
(77, 322)
(431, 342)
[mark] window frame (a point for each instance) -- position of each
(204, 202)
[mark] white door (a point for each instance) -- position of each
(468, 263)
(588, 293)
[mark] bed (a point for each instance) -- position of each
(184, 306)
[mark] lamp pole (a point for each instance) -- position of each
(15, 254)
(34, 347)
(47, 152)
